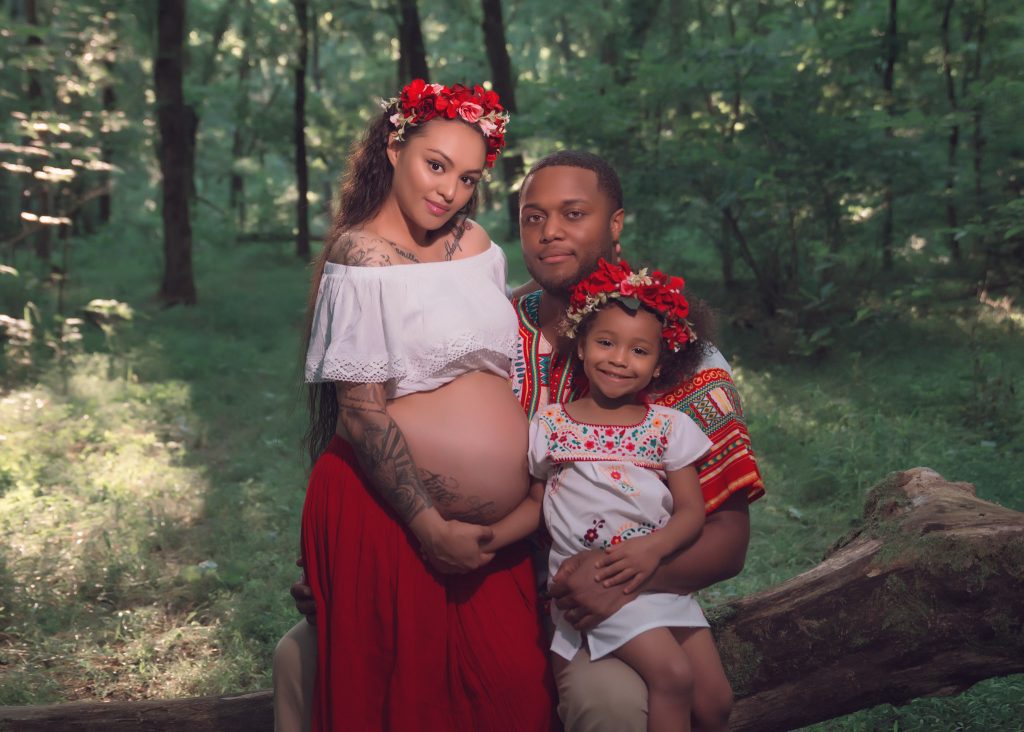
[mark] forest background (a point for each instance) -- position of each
(841, 179)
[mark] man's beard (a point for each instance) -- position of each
(562, 287)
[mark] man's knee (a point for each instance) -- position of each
(294, 670)
(601, 696)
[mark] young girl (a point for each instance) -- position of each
(611, 472)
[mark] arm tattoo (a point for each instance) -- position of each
(455, 243)
(359, 250)
(444, 489)
(382, 449)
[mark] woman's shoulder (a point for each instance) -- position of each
(359, 248)
(465, 239)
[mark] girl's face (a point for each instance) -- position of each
(436, 171)
(620, 354)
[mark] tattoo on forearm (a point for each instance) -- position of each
(382, 450)
(476, 511)
(444, 490)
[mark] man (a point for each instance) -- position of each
(571, 215)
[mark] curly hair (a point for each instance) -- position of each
(675, 367)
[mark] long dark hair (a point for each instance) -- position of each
(364, 188)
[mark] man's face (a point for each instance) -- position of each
(566, 224)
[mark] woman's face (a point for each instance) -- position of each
(436, 171)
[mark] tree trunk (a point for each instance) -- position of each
(38, 192)
(109, 105)
(177, 125)
(236, 192)
(888, 79)
(299, 130)
(314, 58)
(412, 53)
(954, 137)
(922, 600)
(978, 138)
(504, 84)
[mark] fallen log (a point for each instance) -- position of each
(242, 712)
(922, 600)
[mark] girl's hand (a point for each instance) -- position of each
(457, 547)
(629, 563)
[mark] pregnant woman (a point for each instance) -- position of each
(418, 441)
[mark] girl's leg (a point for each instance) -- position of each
(712, 694)
(662, 663)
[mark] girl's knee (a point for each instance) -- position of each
(712, 707)
(674, 675)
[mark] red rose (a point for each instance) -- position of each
(413, 92)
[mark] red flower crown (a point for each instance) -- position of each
(659, 292)
(421, 102)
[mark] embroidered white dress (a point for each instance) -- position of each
(415, 327)
(606, 484)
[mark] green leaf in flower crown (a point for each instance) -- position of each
(630, 302)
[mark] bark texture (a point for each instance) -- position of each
(177, 123)
(922, 600)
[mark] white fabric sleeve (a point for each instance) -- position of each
(537, 455)
(687, 443)
(352, 338)
(501, 272)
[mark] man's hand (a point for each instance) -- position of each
(629, 563)
(302, 593)
(578, 593)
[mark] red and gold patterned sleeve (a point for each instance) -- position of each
(711, 400)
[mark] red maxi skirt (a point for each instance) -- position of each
(400, 647)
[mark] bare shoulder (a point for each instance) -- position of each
(361, 249)
(465, 239)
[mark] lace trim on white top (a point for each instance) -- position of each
(412, 327)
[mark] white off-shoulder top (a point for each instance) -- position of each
(412, 327)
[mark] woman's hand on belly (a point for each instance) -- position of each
(454, 547)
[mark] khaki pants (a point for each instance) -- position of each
(603, 696)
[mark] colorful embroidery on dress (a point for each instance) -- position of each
(642, 444)
(617, 477)
(630, 531)
(591, 534)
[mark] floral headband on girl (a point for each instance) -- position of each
(656, 290)
(421, 102)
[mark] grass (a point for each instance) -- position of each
(150, 488)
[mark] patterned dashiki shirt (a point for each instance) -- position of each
(709, 398)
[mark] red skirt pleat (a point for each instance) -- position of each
(402, 648)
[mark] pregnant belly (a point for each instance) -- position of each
(468, 439)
